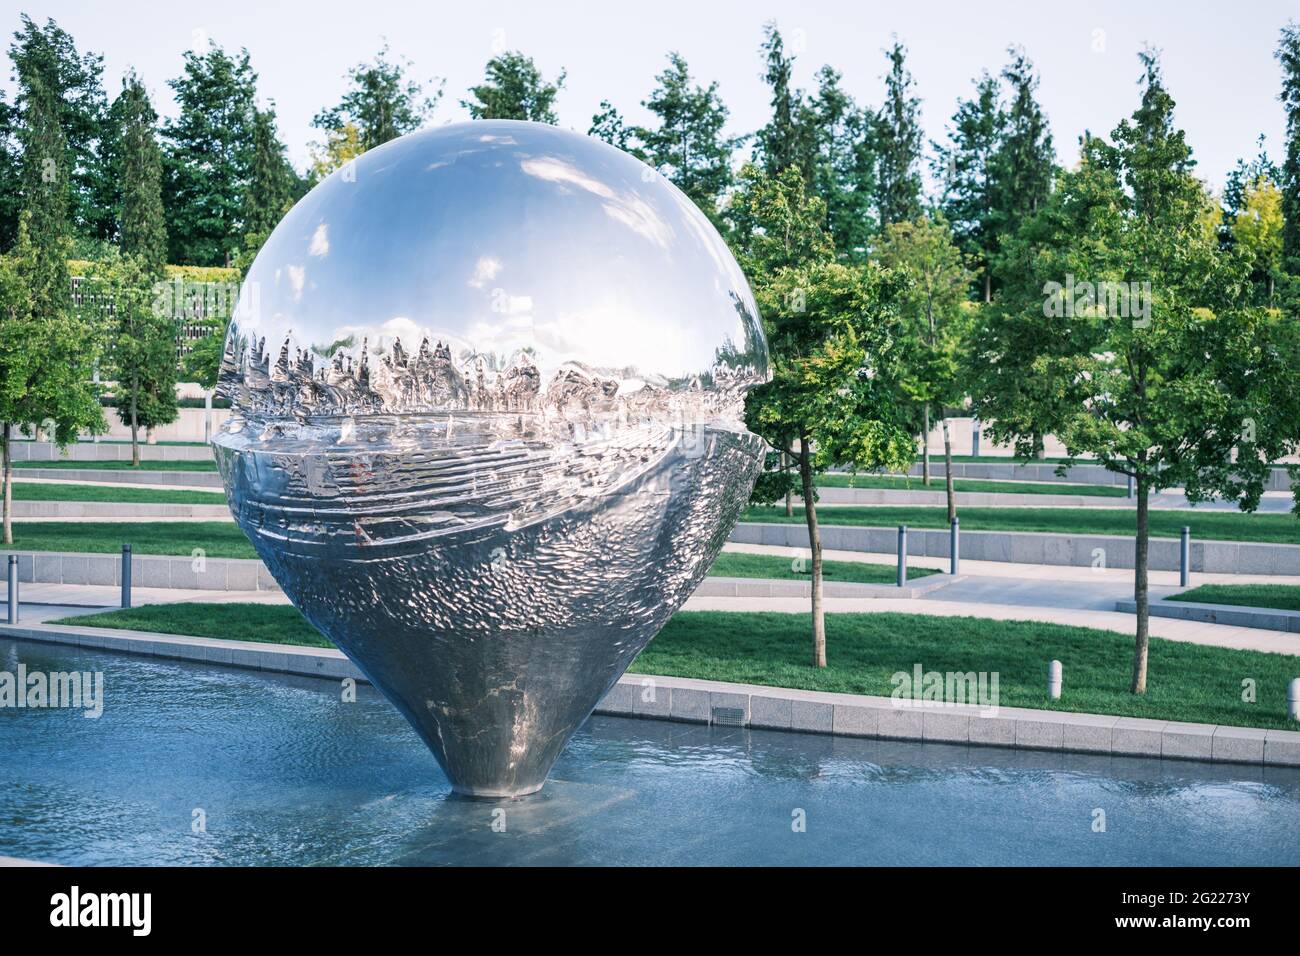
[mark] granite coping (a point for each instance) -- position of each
(695, 700)
(1236, 615)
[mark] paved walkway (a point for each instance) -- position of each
(20, 479)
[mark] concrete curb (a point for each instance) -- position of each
(771, 708)
(774, 588)
(1085, 474)
(61, 510)
(1033, 547)
(147, 571)
(966, 499)
(1268, 619)
(203, 480)
(108, 451)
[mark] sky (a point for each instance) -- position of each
(1218, 57)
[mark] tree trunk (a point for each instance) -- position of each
(789, 495)
(815, 546)
(9, 483)
(947, 472)
(1140, 591)
(925, 445)
(135, 424)
(1040, 450)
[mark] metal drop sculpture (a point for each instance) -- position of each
(487, 384)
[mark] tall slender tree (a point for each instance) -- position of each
(273, 185)
(1024, 163)
(898, 138)
(789, 137)
(514, 88)
(964, 167)
(1288, 55)
(844, 165)
(75, 80)
(47, 350)
(141, 221)
(208, 156)
(10, 174)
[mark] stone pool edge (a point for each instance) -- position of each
(691, 700)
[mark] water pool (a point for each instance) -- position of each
(280, 770)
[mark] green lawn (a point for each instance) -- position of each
(1205, 525)
(218, 539)
(1284, 597)
(125, 494)
(202, 465)
(732, 564)
(905, 483)
(1187, 681)
(268, 623)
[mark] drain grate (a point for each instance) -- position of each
(729, 716)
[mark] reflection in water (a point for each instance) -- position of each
(285, 772)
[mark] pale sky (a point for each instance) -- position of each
(1218, 57)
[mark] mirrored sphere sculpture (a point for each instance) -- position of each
(487, 384)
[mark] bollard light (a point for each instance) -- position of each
(1293, 699)
(1054, 677)
(902, 555)
(126, 575)
(1185, 558)
(954, 547)
(13, 589)
(1132, 490)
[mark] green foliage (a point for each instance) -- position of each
(788, 139)
(898, 138)
(964, 166)
(1288, 55)
(1023, 165)
(139, 171)
(202, 363)
(208, 156)
(382, 103)
(10, 174)
(844, 163)
(74, 81)
(513, 88)
(273, 186)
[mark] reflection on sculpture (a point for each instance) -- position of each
(487, 387)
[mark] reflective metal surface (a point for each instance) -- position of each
(487, 385)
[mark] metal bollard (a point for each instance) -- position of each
(126, 575)
(1185, 558)
(1132, 490)
(975, 438)
(13, 589)
(902, 555)
(1054, 679)
(1293, 699)
(954, 547)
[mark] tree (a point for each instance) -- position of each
(844, 165)
(142, 227)
(608, 125)
(143, 347)
(513, 88)
(47, 349)
(382, 102)
(829, 332)
(10, 174)
(341, 146)
(1257, 232)
(1154, 364)
(208, 156)
(1024, 163)
(688, 145)
(273, 186)
(898, 137)
(964, 167)
(788, 139)
(75, 81)
(934, 329)
(1288, 55)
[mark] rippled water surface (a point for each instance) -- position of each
(281, 771)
